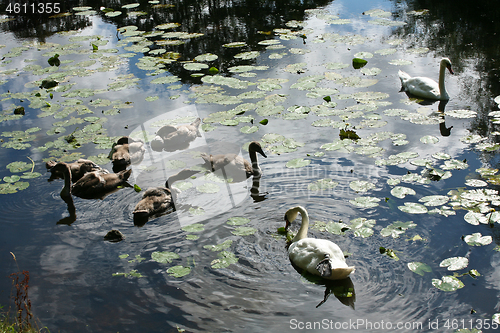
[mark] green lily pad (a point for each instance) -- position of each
(238, 220)
(361, 186)
(397, 228)
(322, 184)
(476, 239)
(219, 247)
(365, 202)
(133, 273)
(447, 283)
(389, 252)
(401, 191)
(225, 259)
(419, 268)
(362, 227)
(244, 231)
(178, 271)
(196, 227)
(358, 63)
(454, 263)
(297, 163)
(164, 257)
(413, 208)
(18, 166)
(434, 200)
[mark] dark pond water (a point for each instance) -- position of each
(420, 180)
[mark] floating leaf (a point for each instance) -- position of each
(225, 259)
(388, 252)
(18, 166)
(322, 184)
(362, 227)
(447, 283)
(476, 239)
(361, 186)
(244, 231)
(434, 200)
(196, 227)
(454, 263)
(178, 271)
(429, 139)
(365, 202)
(401, 191)
(164, 257)
(297, 163)
(397, 228)
(419, 268)
(463, 114)
(238, 220)
(413, 208)
(219, 247)
(358, 63)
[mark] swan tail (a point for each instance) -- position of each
(326, 270)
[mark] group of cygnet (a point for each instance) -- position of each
(320, 257)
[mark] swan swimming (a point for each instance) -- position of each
(317, 256)
(426, 87)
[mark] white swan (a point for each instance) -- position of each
(318, 256)
(234, 166)
(425, 87)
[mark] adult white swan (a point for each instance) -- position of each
(318, 256)
(426, 87)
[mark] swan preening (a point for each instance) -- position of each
(234, 166)
(425, 87)
(317, 256)
(171, 138)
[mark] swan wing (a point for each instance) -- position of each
(423, 87)
(320, 257)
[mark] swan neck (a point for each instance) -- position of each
(442, 88)
(253, 159)
(302, 233)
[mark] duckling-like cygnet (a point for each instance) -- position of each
(92, 185)
(126, 151)
(171, 138)
(77, 169)
(234, 166)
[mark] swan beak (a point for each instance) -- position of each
(449, 68)
(287, 223)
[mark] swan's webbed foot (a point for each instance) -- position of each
(324, 267)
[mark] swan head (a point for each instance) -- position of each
(446, 62)
(256, 147)
(291, 215)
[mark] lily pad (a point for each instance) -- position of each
(362, 227)
(297, 163)
(361, 186)
(178, 271)
(447, 283)
(454, 263)
(244, 231)
(476, 239)
(219, 247)
(397, 228)
(462, 114)
(164, 257)
(419, 268)
(322, 184)
(225, 259)
(196, 227)
(413, 208)
(402, 191)
(365, 202)
(238, 220)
